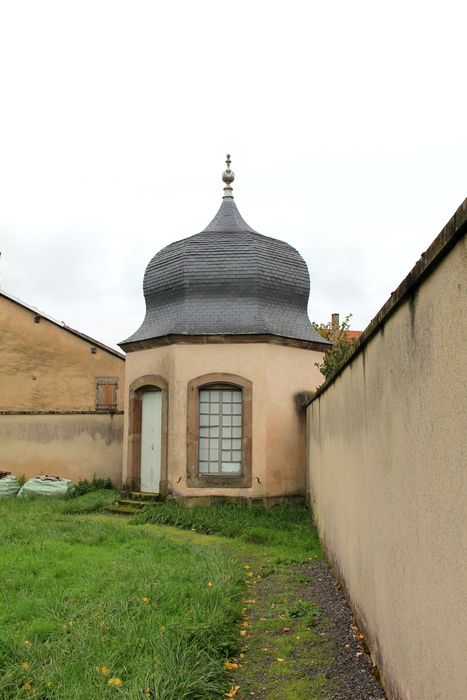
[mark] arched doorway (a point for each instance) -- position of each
(147, 435)
(151, 421)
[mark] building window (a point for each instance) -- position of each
(106, 393)
(220, 430)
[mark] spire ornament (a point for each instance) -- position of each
(228, 176)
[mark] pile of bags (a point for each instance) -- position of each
(39, 486)
(9, 485)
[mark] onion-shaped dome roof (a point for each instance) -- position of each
(227, 280)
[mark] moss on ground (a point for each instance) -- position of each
(287, 650)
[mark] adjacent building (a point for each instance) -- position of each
(61, 401)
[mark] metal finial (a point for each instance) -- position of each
(228, 176)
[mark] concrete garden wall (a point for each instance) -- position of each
(387, 476)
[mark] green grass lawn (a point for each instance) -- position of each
(284, 534)
(95, 606)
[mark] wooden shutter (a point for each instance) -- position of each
(106, 393)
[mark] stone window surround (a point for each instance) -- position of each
(148, 382)
(194, 479)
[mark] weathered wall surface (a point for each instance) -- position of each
(44, 367)
(48, 418)
(387, 477)
(73, 446)
(277, 373)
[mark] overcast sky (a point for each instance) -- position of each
(346, 121)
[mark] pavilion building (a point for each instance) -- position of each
(212, 373)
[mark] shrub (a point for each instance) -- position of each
(84, 486)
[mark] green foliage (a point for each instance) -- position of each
(88, 600)
(84, 486)
(341, 349)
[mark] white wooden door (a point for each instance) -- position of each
(151, 442)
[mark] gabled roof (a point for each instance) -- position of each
(61, 324)
(353, 335)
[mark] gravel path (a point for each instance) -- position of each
(352, 666)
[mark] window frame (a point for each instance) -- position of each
(104, 386)
(194, 478)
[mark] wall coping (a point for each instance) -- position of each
(453, 231)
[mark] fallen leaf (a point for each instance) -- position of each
(233, 691)
(279, 659)
(242, 633)
(245, 624)
(229, 665)
(209, 584)
(245, 566)
(286, 629)
(114, 681)
(250, 573)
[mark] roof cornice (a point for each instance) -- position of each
(146, 344)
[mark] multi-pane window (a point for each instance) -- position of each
(220, 430)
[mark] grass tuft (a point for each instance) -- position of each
(90, 502)
(286, 530)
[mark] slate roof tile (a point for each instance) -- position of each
(227, 280)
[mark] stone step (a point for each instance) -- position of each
(144, 496)
(120, 510)
(131, 502)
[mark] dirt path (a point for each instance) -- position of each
(300, 639)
